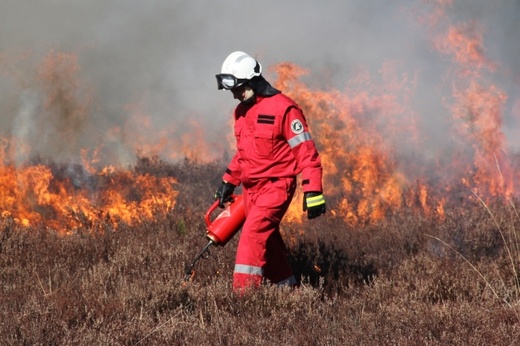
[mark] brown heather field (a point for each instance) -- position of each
(410, 280)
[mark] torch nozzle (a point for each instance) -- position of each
(203, 254)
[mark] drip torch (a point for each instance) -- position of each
(222, 229)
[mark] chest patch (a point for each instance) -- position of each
(265, 119)
(296, 126)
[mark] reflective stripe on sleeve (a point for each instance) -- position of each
(247, 269)
(315, 201)
(302, 137)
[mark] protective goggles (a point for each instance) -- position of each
(228, 81)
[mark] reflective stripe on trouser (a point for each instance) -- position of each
(247, 275)
(261, 252)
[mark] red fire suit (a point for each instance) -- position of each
(273, 147)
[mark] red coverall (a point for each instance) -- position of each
(273, 147)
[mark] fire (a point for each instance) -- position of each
(359, 133)
(372, 137)
(69, 197)
(358, 167)
(172, 142)
(465, 44)
(87, 194)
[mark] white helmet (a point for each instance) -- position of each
(237, 69)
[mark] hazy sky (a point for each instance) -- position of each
(159, 58)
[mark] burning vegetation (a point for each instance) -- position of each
(360, 132)
(419, 244)
(68, 198)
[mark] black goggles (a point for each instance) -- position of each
(228, 81)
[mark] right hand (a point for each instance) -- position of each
(224, 192)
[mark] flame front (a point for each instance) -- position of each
(373, 136)
(69, 197)
(359, 133)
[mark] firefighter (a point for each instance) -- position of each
(273, 146)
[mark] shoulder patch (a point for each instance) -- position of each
(297, 126)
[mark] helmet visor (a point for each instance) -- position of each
(228, 81)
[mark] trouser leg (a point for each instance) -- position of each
(261, 252)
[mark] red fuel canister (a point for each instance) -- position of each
(227, 223)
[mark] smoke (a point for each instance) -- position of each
(153, 63)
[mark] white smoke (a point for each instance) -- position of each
(163, 55)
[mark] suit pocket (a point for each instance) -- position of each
(264, 141)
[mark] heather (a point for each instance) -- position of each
(411, 278)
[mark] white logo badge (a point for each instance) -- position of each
(297, 126)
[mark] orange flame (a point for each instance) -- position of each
(358, 166)
(49, 196)
(65, 197)
(357, 130)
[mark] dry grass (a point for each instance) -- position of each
(385, 284)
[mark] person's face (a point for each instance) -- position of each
(242, 92)
(239, 93)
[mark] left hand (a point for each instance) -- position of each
(314, 204)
